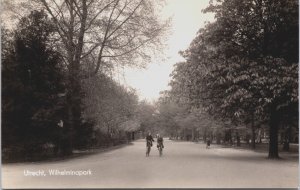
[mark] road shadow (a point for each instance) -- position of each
(75, 155)
(255, 158)
(245, 152)
(259, 147)
(248, 155)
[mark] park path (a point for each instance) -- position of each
(184, 164)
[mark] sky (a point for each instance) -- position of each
(187, 19)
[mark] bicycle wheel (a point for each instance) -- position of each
(160, 151)
(148, 151)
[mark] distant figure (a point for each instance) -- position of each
(61, 123)
(160, 141)
(207, 143)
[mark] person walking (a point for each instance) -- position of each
(207, 143)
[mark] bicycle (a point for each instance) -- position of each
(160, 149)
(149, 144)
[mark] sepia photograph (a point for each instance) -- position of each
(137, 94)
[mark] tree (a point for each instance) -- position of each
(32, 81)
(242, 67)
(107, 31)
(111, 106)
(146, 113)
(168, 115)
(181, 119)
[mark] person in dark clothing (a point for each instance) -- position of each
(160, 144)
(207, 143)
(149, 140)
(160, 141)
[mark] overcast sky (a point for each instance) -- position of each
(187, 19)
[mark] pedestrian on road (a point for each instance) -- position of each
(207, 143)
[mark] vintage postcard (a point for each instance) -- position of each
(149, 94)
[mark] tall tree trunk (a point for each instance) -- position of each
(287, 137)
(259, 136)
(238, 140)
(68, 140)
(74, 109)
(230, 137)
(218, 136)
(273, 145)
(193, 134)
(73, 120)
(204, 135)
(253, 132)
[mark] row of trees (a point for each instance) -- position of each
(181, 122)
(243, 67)
(34, 95)
(112, 107)
(56, 65)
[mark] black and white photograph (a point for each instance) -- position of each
(137, 94)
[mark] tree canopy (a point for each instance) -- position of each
(243, 64)
(32, 77)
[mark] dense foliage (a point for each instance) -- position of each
(49, 65)
(32, 79)
(112, 107)
(35, 98)
(244, 66)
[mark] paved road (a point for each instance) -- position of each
(184, 164)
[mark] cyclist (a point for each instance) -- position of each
(160, 141)
(149, 140)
